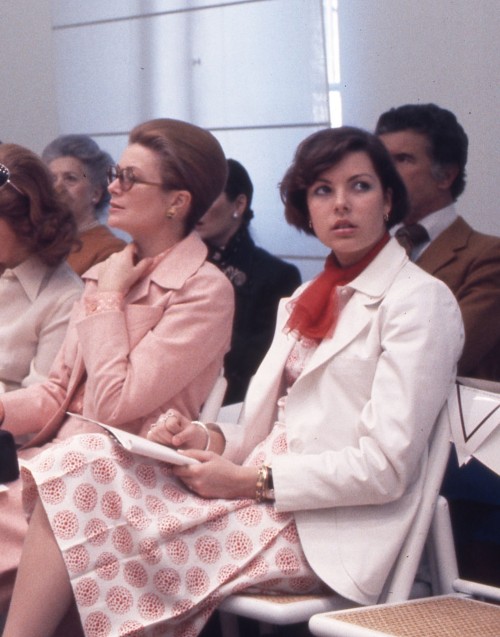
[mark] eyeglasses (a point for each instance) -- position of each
(127, 178)
(5, 179)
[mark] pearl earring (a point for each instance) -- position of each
(170, 213)
(235, 214)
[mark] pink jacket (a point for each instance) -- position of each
(164, 349)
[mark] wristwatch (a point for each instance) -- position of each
(269, 485)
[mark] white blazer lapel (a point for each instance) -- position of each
(354, 316)
(358, 300)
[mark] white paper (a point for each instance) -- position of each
(141, 446)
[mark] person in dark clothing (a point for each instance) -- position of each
(259, 278)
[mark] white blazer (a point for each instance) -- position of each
(358, 420)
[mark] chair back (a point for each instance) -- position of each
(471, 419)
(400, 582)
(212, 404)
(474, 413)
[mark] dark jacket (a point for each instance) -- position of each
(260, 280)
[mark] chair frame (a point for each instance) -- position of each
(212, 405)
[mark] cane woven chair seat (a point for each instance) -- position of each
(445, 616)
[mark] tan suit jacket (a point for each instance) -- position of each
(358, 420)
(469, 263)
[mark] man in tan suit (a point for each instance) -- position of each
(429, 148)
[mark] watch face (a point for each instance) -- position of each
(269, 495)
(270, 481)
(269, 486)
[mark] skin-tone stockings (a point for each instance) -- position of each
(49, 601)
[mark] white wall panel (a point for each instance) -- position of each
(106, 74)
(259, 64)
(267, 154)
(28, 104)
(396, 52)
(224, 67)
(252, 72)
(66, 12)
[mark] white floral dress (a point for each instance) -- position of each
(145, 556)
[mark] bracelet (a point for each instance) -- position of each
(103, 301)
(264, 489)
(203, 426)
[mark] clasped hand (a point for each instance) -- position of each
(119, 272)
(215, 476)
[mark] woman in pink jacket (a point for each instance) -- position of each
(154, 322)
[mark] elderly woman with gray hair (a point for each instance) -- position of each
(79, 168)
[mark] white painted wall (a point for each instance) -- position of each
(28, 104)
(395, 52)
(253, 72)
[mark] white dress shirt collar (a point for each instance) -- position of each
(438, 221)
(30, 274)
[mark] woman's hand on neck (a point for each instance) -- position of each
(121, 271)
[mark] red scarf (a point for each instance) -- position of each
(315, 311)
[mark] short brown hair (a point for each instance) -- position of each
(322, 150)
(37, 216)
(190, 158)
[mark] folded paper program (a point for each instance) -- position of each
(9, 468)
(139, 445)
(474, 414)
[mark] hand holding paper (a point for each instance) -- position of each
(139, 445)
